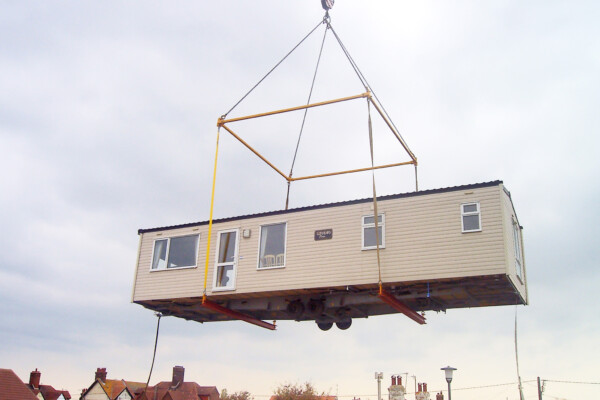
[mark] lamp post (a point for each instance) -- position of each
(449, 370)
(379, 377)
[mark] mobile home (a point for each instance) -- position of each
(438, 249)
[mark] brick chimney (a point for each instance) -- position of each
(34, 379)
(178, 372)
(424, 387)
(439, 396)
(101, 374)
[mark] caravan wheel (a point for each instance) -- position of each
(324, 326)
(343, 325)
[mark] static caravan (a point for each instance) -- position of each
(432, 250)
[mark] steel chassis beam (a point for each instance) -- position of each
(237, 315)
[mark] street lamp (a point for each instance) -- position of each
(379, 377)
(448, 370)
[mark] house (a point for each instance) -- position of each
(12, 387)
(396, 391)
(430, 250)
(45, 392)
(319, 397)
(422, 393)
(178, 389)
(110, 389)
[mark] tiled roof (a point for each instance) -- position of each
(50, 393)
(114, 387)
(13, 388)
(185, 391)
(328, 205)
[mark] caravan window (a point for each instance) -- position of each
(175, 252)
(518, 252)
(271, 253)
(471, 217)
(369, 239)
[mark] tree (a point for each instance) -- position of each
(242, 395)
(290, 391)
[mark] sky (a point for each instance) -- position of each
(108, 116)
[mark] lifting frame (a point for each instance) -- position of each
(223, 123)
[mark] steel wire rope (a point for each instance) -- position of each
(578, 383)
(159, 315)
(517, 358)
(287, 198)
(375, 211)
(272, 69)
(362, 78)
(365, 83)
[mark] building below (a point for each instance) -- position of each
(12, 387)
(110, 389)
(178, 389)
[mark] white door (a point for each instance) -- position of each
(225, 268)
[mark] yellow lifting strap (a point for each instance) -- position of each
(210, 219)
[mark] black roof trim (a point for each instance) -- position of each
(328, 205)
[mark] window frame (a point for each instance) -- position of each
(517, 242)
(168, 252)
(372, 225)
(260, 234)
(216, 288)
(464, 214)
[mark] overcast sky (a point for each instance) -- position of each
(108, 116)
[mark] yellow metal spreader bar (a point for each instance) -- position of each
(254, 151)
(222, 121)
(351, 171)
(391, 126)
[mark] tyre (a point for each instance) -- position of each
(324, 326)
(343, 325)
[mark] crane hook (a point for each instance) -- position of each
(327, 4)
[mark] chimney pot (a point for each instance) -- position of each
(424, 387)
(101, 374)
(178, 373)
(399, 378)
(34, 379)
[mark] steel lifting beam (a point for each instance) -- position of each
(400, 306)
(237, 315)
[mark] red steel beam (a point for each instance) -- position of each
(237, 315)
(400, 306)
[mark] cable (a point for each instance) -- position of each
(304, 117)
(159, 315)
(272, 69)
(375, 211)
(517, 357)
(364, 81)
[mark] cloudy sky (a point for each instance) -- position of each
(108, 117)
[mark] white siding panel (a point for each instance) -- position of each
(423, 241)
